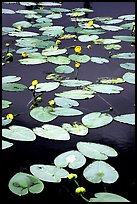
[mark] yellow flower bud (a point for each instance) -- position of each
(7, 44)
(10, 116)
(72, 176)
(60, 13)
(133, 23)
(75, 14)
(41, 8)
(58, 42)
(77, 64)
(80, 190)
(53, 12)
(9, 54)
(19, 27)
(34, 82)
(78, 49)
(51, 102)
(24, 54)
(39, 99)
(90, 23)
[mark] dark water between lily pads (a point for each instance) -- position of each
(118, 135)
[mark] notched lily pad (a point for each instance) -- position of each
(129, 77)
(126, 118)
(6, 144)
(76, 128)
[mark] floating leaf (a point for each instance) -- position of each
(113, 21)
(67, 36)
(74, 82)
(6, 144)
(7, 11)
(6, 104)
(5, 121)
(53, 51)
(96, 119)
(76, 128)
(54, 16)
(49, 173)
(23, 11)
(33, 58)
(24, 24)
(13, 87)
(27, 3)
(75, 94)
(127, 17)
(99, 60)
(100, 171)
(91, 32)
(52, 31)
(111, 28)
(112, 80)
(96, 151)
(112, 46)
(104, 88)
(65, 102)
(42, 114)
(126, 118)
(125, 38)
(33, 15)
(59, 60)
(27, 50)
(72, 29)
(127, 55)
(61, 111)
(8, 79)
(79, 58)
(108, 197)
(22, 183)
(46, 86)
(22, 33)
(49, 4)
(64, 69)
(130, 66)
(87, 38)
(106, 41)
(44, 20)
(20, 133)
(129, 77)
(73, 159)
(127, 26)
(52, 132)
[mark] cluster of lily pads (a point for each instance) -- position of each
(44, 46)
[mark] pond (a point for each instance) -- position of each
(79, 58)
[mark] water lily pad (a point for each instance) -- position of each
(46, 86)
(23, 11)
(112, 46)
(20, 133)
(22, 33)
(9, 79)
(127, 26)
(59, 10)
(129, 17)
(33, 59)
(64, 69)
(44, 20)
(52, 132)
(100, 171)
(126, 118)
(6, 121)
(76, 94)
(59, 60)
(73, 159)
(54, 16)
(33, 15)
(108, 197)
(6, 144)
(24, 24)
(111, 28)
(129, 77)
(49, 173)
(97, 31)
(79, 13)
(67, 36)
(96, 151)
(7, 11)
(113, 21)
(49, 4)
(72, 29)
(42, 114)
(6, 104)
(74, 82)
(99, 60)
(27, 50)
(105, 88)
(96, 119)
(79, 58)
(61, 111)
(106, 41)
(76, 128)
(111, 80)
(130, 66)
(53, 51)
(127, 55)
(52, 31)
(87, 38)
(13, 87)
(22, 183)
(125, 38)
(27, 3)
(65, 102)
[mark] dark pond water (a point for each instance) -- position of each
(42, 151)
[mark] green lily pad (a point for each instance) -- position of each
(130, 66)
(27, 50)
(96, 151)
(106, 41)
(22, 33)
(40, 25)
(99, 60)
(100, 171)
(112, 46)
(54, 16)
(49, 173)
(33, 15)
(53, 51)
(13, 87)
(9, 79)
(76, 94)
(52, 31)
(76, 128)
(79, 58)
(6, 144)
(113, 21)
(127, 26)
(97, 31)
(24, 24)
(52, 132)
(5, 121)
(7, 11)
(20, 133)
(42, 114)
(23, 11)
(59, 60)
(79, 13)
(127, 55)
(87, 38)
(46, 86)
(65, 102)
(111, 80)
(44, 20)
(125, 38)
(73, 159)
(72, 29)
(74, 82)
(129, 77)
(108, 197)
(129, 17)
(61, 111)
(96, 119)
(126, 118)
(60, 10)
(48, 4)
(105, 88)
(64, 69)
(33, 58)
(6, 104)
(22, 183)
(27, 3)
(111, 28)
